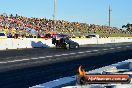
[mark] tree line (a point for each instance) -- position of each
(128, 27)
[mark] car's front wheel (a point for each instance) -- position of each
(77, 46)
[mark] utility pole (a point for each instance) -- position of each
(109, 16)
(54, 16)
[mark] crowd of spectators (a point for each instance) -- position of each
(20, 26)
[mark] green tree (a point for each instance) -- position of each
(128, 27)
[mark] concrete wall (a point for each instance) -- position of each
(103, 40)
(33, 42)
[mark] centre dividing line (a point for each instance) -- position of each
(64, 54)
(34, 58)
(95, 50)
(57, 55)
(104, 49)
(18, 60)
(72, 53)
(41, 57)
(112, 48)
(4, 62)
(80, 52)
(48, 56)
(88, 51)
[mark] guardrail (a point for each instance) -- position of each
(11, 43)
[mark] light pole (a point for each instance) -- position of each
(54, 20)
(109, 16)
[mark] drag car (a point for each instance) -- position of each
(63, 41)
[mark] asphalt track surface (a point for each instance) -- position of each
(29, 67)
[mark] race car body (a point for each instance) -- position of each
(63, 41)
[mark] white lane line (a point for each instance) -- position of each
(80, 52)
(64, 54)
(57, 55)
(105, 49)
(118, 47)
(48, 56)
(45, 57)
(14, 61)
(88, 51)
(95, 50)
(41, 57)
(34, 58)
(3, 62)
(112, 48)
(17, 60)
(72, 53)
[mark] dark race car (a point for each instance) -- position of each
(63, 41)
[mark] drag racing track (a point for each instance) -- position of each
(29, 67)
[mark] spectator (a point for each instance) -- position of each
(23, 27)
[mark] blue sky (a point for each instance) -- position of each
(85, 11)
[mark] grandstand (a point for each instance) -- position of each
(19, 26)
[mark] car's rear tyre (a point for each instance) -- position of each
(56, 46)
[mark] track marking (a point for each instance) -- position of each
(57, 55)
(3, 62)
(18, 60)
(72, 53)
(105, 49)
(80, 52)
(25, 59)
(53, 56)
(34, 58)
(95, 50)
(64, 54)
(48, 56)
(41, 57)
(112, 48)
(14, 61)
(88, 51)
